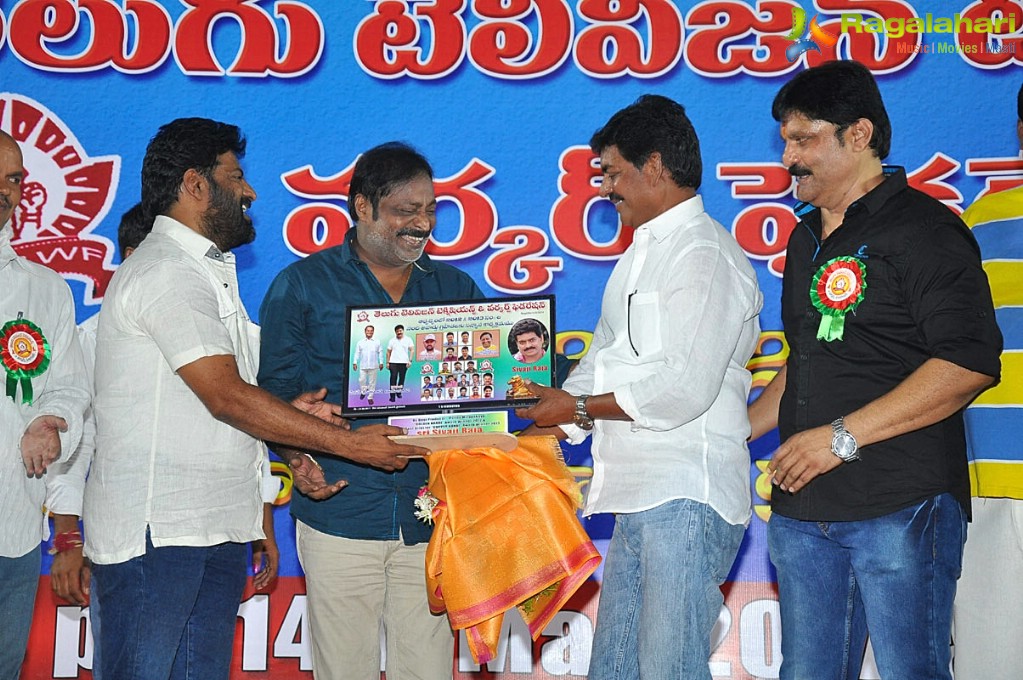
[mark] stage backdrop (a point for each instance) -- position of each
(502, 96)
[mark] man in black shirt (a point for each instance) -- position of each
(891, 331)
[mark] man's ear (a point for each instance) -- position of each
(361, 208)
(193, 186)
(859, 134)
(653, 169)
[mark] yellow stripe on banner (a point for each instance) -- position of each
(1010, 390)
(996, 479)
(1004, 277)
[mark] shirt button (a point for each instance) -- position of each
(809, 314)
(804, 356)
(801, 402)
(225, 285)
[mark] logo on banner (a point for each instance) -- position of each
(65, 195)
(804, 40)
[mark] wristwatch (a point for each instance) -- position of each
(581, 418)
(843, 443)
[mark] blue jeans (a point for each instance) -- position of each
(661, 593)
(19, 577)
(171, 612)
(94, 622)
(894, 575)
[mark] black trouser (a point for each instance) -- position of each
(397, 378)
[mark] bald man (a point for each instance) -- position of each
(40, 412)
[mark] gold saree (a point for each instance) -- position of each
(506, 536)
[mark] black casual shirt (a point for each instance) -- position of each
(926, 296)
(302, 348)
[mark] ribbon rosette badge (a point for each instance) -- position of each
(837, 289)
(25, 354)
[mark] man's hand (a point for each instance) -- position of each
(370, 445)
(40, 445)
(308, 478)
(802, 458)
(313, 403)
(265, 555)
(69, 576)
(555, 407)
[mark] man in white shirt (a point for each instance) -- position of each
(70, 571)
(667, 371)
(399, 357)
(369, 358)
(177, 488)
(40, 412)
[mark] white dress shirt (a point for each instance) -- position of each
(162, 461)
(679, 321)
(41, 296)
(369, 354)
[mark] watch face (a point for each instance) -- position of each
(844, 445)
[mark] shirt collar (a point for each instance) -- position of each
(894, 182)
(191, 241)
(676, 217)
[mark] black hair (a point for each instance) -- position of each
(381, 170)
(840, 93)
(399, 326)
(654, 123)
(181, 145)
(134, 227)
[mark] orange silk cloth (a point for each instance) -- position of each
(506, 535)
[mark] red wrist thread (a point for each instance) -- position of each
(66, 540)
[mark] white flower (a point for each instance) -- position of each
(425, 504)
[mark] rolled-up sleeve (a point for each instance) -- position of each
(949, 297)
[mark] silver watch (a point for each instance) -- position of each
(843, 443)
(581, 418)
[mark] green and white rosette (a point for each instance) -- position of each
(837, 289)
(25, 354)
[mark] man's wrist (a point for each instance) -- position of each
(843, 443)
(581, 417)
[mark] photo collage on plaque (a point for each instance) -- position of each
(432, 358)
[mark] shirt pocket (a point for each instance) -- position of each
(644, 320)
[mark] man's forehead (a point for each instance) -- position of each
(9, 150)
(610, 157)
(796, 120)
(228, 162)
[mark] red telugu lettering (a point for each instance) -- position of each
(611, 46)
(714, 48)
(505, 48)
(388, 41)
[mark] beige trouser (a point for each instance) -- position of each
(353, 585)
(988, 630)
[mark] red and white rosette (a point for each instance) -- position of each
(25, 354)
(838, 288)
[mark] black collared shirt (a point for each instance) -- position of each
(926, 296)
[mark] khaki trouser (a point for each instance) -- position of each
(354, 585)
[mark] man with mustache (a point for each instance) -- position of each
(667, 373)
(363, 551)
(891, 332)
(180, 481)
(40, 413)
